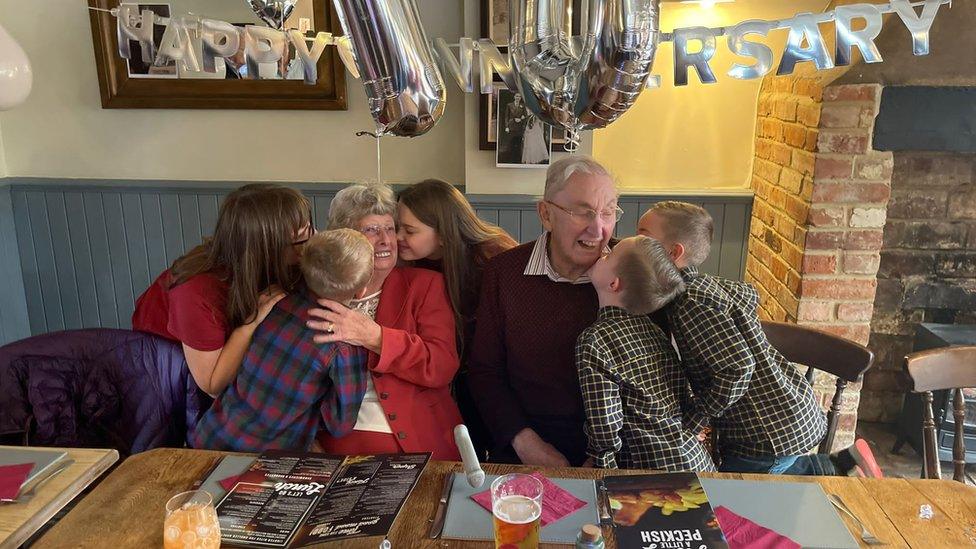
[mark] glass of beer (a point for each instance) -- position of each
(516, 502)
(191, 522)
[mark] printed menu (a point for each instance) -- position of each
(666, 511)
(288, 499)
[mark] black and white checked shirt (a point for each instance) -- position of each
(759, 402)
(632, 384)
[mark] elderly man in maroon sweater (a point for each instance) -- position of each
(536, 300)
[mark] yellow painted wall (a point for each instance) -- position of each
(696, 137)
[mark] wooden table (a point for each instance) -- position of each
(126, 509)
(19, 521)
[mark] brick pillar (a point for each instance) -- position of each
(820, 209)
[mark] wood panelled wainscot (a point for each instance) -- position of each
(77, 253)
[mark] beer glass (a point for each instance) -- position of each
(516, 502)
(191, 522)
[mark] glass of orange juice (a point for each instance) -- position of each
(191, 522)
(516, 503)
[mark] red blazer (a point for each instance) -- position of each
(417, 362)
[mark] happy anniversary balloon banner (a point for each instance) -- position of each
(574, 82)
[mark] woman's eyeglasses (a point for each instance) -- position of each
(302, 241)
(374, 231)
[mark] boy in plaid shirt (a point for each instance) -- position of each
(764, 410)
(629, 373)
(289, 386)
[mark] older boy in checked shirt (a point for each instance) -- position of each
(289, 386)
(764, 410)
(629, 373)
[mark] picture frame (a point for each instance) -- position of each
(120, 91)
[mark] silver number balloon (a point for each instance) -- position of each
(403, 83)
(590, 81)
(273, 12)
(863, 40)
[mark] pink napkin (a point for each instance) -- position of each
(742, 533)
(556, 502)
(12, 477)
(229, 482)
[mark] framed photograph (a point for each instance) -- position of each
(523, 140)
(489, 122)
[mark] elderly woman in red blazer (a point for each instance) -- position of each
(404, 318)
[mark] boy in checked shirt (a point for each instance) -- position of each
(629, 373)
(764, 410)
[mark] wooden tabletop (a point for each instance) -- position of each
(126, 509)
(18, 521)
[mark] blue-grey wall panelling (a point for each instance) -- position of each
(713, 263)
(14, 320)
(102, 258)
(81, 251)
(86, 252)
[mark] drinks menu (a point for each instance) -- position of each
(288, 499)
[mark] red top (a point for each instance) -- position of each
(191, 313)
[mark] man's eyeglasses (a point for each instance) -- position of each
(374, 231)
(588, 215)
(302, 241)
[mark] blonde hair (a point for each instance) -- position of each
(357, 201)
(337, 264)
(649, 278)
(689, 225)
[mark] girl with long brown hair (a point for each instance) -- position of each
(439, 230)
(213, 298)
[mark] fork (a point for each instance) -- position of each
(866, 536)
(26, 495)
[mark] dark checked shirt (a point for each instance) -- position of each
(631, 381)
(287, 388)
(759, 402)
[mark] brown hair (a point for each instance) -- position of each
(689, 225)
(337, 264)
(442, 207)
(249, 247)
(649, 278)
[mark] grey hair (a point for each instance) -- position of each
(357, 201)
(562, 170)
(689, 225)
(650, 279)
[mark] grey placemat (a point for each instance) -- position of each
(228, 467)
(466, 520)
(797, 510)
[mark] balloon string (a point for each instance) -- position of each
(379, 156)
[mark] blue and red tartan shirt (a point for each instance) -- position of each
(287, 388)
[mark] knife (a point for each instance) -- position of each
(438, 526)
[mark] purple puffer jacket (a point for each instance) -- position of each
(98, 388)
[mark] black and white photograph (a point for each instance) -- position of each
(524, 141)
(138, 68)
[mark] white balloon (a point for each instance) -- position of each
(16, 77)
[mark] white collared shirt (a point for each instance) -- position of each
(539, 264)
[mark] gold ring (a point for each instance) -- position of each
(331, 327)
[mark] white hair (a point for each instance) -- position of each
(562, 170)
(357, 201)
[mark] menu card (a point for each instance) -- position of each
(666, 511)
(288, 499)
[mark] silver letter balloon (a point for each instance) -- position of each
(403, 83)
(586, 82)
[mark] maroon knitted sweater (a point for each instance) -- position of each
(522, 367)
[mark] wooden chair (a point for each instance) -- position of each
(949, 368)
(819, 350)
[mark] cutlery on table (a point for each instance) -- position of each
(25, 495)
(439, 517)
(866, 536)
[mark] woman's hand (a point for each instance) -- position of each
(340, 323)
(266, 301)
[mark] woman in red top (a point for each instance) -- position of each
(212, 299)
(404, 319)
(439, 230)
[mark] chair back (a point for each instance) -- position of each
(948, 368)
(819, 350)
